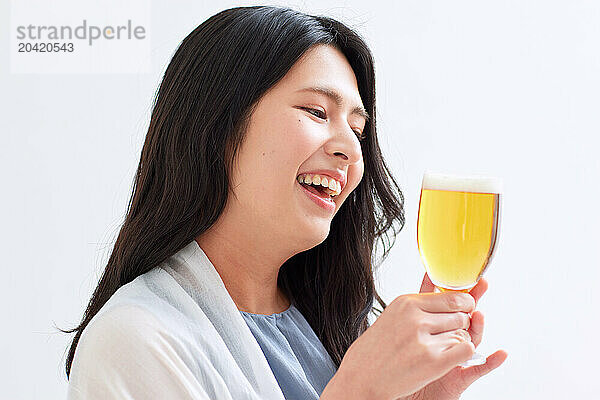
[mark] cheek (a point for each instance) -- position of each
(355, 174)
(287, 148)
(305, 137)
(290, 142)
(274, 152)
(275, 149)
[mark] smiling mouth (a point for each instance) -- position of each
(318, 190)
(320, 187)
(319, 198)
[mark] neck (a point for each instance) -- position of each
(248, 267)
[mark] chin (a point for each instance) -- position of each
(313, 233)
(319, 235)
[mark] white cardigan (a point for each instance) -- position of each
(172, 333)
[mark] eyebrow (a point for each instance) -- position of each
(337, 99)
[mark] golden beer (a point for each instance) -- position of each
(457, 228)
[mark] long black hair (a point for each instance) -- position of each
(215, 78)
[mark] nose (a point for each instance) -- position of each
(345, 146)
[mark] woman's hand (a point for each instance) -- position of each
(417, 339)
(455, 382)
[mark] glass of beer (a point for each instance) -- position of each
(457, 231)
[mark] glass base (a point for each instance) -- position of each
(476, 359)
(440, 289)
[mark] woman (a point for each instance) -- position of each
(244, 267)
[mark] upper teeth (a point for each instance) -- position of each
(332, 187)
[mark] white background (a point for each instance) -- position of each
(505, 88)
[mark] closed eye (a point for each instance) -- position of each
(317, 113)
(320, 114)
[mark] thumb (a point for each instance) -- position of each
(427, 286)
(471, 374)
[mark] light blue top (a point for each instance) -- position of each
(300, 363)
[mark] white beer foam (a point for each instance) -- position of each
(472, 184)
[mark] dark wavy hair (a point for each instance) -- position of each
(200, 112)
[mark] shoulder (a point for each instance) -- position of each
(151, 314)
(120, 325)
(126, 349)
(120, 337)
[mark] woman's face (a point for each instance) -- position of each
(297, 128)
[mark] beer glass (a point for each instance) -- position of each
(457, 231)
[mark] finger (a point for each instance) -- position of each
(479, 289)
(444, 322)
(476, 327)
(471, 374)
(427, 286)
(456, 354)
(446, 302)
(447, 340)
